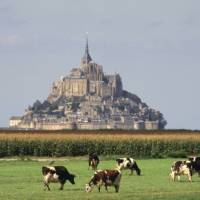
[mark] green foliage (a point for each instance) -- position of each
(135, 148)
(177, 154)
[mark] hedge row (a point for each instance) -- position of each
(135, 148)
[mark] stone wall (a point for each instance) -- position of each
(75, 87)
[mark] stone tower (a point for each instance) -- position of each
(86, 57)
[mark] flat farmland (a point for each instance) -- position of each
(23, 180)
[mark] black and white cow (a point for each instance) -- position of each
(128, 163)
(181, 167)
(104, 177)
(195, 164)
(56, 174)
(93, 161)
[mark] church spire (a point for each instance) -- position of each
(86, 57)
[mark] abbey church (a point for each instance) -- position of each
(89, 99)
(89, 79)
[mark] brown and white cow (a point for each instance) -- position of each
(56, 174)
(93, 161)
(128, 163)
(181, 167)
(105, 177)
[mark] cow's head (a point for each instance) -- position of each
(192, 158)
(71, 178)
(90, 185)
(138, 171)
(88, 188)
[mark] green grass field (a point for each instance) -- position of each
(22, 180)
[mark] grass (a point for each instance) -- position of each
(22, 180)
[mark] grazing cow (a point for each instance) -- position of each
(195, 164)
(181, 168)
(93, 161)
(57, 174)
(106, 178)
(128, 163)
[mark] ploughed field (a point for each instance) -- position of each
(23, 180)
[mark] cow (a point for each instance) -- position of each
(128, 163)
(56, 174)
(93, 161)
(105, 177)
(195, 164)
(181, 167)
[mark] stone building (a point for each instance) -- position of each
(88, 79)
(14, 121)
(86, 98)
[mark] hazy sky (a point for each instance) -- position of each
(153, 44)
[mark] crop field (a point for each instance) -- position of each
(22, 180)
(138, 144)
(100, 135)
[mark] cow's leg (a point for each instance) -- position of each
(61, 186)
(99, 184)
(179, 177)
(172, 174)
(190, 177)
(131, 171)
(106, 187)
(116, 188)
(136, 168)
(46, 185)
(46, 182)
(62, 183)
(99, 188)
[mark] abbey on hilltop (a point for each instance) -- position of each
(89, 99)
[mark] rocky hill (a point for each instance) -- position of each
(89, 99)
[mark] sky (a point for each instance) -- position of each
(154, 46)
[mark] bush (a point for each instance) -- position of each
(178, 154)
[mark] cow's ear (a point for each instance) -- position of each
(117, 159)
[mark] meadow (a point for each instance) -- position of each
(22, 180)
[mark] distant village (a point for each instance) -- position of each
(89, 99)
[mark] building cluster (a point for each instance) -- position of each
(89, 99)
